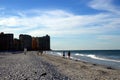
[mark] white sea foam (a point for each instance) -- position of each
(77, 54)
(58, 53)
(55, 53)
(74, 58)
(96, 57)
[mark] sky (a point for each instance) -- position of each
(71, 24)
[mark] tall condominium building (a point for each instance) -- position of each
(41, 43)
(6, 41)
(34, 43)
(25, 42)
(16, 44)
(44, 43)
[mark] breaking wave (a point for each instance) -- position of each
(58, 53)
(96, 57)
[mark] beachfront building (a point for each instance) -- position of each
(41, 43)
(34, 43)
(47, 42)
(16, 44)
(6, 41)
(44, 43)
(25, 41)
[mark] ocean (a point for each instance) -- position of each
(109, 58)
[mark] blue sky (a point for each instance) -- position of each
(72, 24)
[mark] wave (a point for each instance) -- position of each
(77, 54)
(58, 53)
(96, 57)
(55, 53)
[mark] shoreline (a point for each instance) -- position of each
(78, 60)
(98, 59)
(95, 64)
(77, 70)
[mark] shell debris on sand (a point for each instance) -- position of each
(27, 67)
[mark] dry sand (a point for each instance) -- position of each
(27, 67)
(78, 70)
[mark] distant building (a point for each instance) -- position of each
(16, 44)
(44, 43)
(34, 43)
(6, 41)
(47, 43)
(41, 43)
(25, 42)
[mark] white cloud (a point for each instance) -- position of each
(12, 21)
(109, 37)
(104, 5)
(2, 8)
(58, 13)
(58, 22)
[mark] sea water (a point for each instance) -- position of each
(103, 57)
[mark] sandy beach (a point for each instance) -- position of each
(27, 67)
(49, 67)
(77, 70)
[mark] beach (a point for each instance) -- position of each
(49, 67)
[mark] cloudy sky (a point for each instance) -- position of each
(72, 24)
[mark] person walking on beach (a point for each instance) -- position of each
(25, 51)
(69, 54)
(41, 52)
(63, 54)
